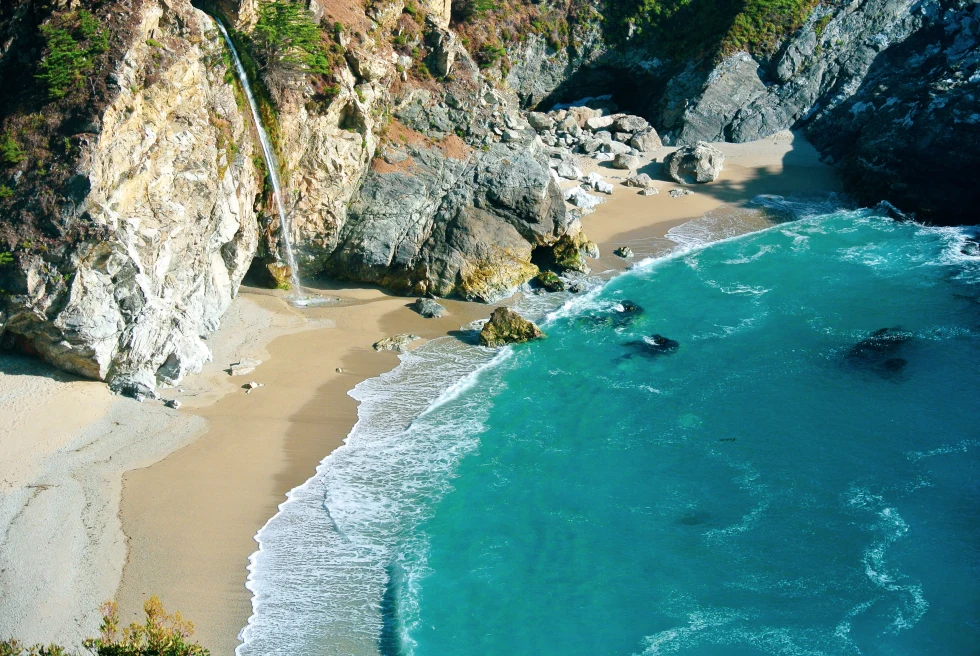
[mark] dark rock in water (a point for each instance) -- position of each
(879, 352)
(653, 346)
(661, 344)
(630, 307)
(428, 308)
(971, 248)
(576, 288)
(508, 327)
(881, 344)
(550, 281)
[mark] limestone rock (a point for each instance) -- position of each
(569, 171)
(677, 193)
(641, 181)
(626, 162)
(398, 343)
(646, 141)
(541, 122)
(630, 124)
(699, 163)
(508, 327)
(580, 198)
(650, 191)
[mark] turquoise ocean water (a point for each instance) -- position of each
(775, 484)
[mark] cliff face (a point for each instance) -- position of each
(169, 205)
(859, 76)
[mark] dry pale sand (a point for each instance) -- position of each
(190, 517)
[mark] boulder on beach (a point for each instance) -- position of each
(508, 327)
(428, 308)
(625, 162)
(624, 252)
(641, 181)
(699, 163)
(540, 122)
(646, 141)
(630, 124)
(244, 367)
(397, 343)
(677, 193)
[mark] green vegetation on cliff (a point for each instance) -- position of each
(72, 42)
(699, 29)
(286, 37)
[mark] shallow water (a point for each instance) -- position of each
(764, 489)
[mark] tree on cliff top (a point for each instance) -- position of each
(287, 39)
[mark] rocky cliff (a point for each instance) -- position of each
(859, 76)
(167, 190)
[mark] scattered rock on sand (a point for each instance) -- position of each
(699, 163)
(624, 252)
(244, 367)
(508, 327)
(677, 193)
(173, 403)
(581, 198)
(251, 386)
(649, 191)
(428, 308)
(397, 343)
(642, 181)
(624, 161)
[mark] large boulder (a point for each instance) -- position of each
(646, 141)
(699, 163)
(625, 162)
(508, 327)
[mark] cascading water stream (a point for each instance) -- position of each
(269, 155)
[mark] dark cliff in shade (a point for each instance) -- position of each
(890, 89)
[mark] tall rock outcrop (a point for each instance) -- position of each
(169, 190)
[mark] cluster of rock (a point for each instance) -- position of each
(594, 128)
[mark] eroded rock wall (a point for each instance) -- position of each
(171, 191)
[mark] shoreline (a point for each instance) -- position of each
(191, 505)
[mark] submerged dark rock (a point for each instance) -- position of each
(880, 352)
(652, 347)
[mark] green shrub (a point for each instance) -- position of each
(72, 41)
(5, 193)
(286, 37)
(153, 43)
(11, 153)
(161, 634)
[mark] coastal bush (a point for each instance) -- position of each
(72, 42)
(704, 29)
(286, 38)
(161, 634)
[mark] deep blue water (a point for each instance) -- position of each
(769, 487)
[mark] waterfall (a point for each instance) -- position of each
(269, 155)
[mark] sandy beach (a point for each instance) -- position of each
(203, 480)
